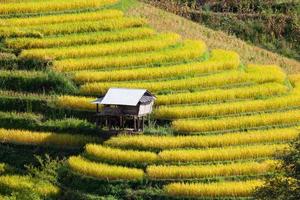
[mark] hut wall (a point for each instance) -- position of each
(145, 109)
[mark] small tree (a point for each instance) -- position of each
(284, 184)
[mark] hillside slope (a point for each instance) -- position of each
(218, 122)
(165, 21)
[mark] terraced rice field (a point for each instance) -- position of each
(228, 119)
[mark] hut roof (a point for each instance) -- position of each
(125, 96)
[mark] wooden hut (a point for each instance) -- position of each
(122, 107)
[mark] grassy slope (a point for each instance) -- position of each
(165, 21)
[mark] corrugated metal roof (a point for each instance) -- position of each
(123, 96)
(146, 99)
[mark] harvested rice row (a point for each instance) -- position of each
(218, 189)
(147, 142)
(103, 171)
(240, 123)
(80, 39)
(52, 19)
(150, 44)
(71, 27)
(167, 172)
(256, 74)
(178, 112)
(184, 52)
(53, 5)
(219, 60)
(44, 138)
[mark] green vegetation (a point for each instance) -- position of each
(58, 56)
(273, 25)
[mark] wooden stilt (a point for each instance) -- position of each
(109, 123)
(138, 123)
(123, 122)
(134, 123)
(143, 121)
(120, 122)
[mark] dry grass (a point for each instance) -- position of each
(213, 39)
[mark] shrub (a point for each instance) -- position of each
(70, 125)
(34, 81)
(19, 120)
(8, 61)
(284, 183)
(23, 102)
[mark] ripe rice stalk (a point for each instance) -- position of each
(53, 5)
(218, 189)
(103, 153)
(75, 102)
(240, 123)
(44, 138)
(256, 75)
(161, 172)
(150, 142)
(222, 154)
(197, 111)
(71, 27)
(215, 95)
(103, 171)
(17, 1)
(295, 80)
(186, 51)
(156, 42)
(268, 89)
(80, 38)
(219, 60)
(53, 19)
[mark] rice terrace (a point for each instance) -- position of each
(122, 99)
